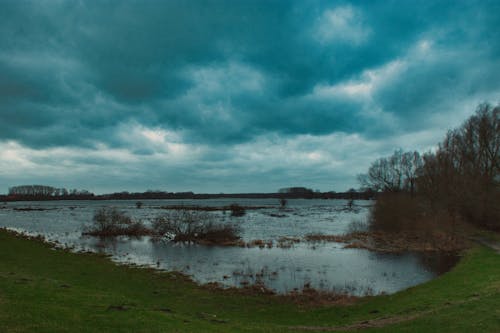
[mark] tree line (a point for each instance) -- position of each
(45, 191)
(461, 177)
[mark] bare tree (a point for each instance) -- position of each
(395, 173)
(463, 175)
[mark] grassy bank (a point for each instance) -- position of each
(43, 290)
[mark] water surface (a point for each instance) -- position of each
(324, 266)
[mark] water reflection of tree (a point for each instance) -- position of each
(105, 244)
(435, 262)
(438, 263)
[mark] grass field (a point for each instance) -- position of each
(47, 290)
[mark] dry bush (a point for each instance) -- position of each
(403, 213)
(283, 203)
(109, 222)
(195, 226)
(395, 212)
(324, 238)
(237, 210)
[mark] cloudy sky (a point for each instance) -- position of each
(233, 96)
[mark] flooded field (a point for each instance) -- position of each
(323, 265)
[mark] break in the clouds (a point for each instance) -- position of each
(233, 96)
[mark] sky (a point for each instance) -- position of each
(233, 96)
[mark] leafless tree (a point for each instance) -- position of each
(463, 175)
(395, 173)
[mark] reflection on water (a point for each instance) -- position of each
(325, 266)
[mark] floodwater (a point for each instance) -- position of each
(324, 266)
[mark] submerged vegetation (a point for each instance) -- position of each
(201, 227)
(395, 242)
(108, 222)
(178, 226)
(195, 226)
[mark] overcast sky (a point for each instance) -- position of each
(233, 96)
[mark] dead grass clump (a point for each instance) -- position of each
(109, 222)
(404, 241)
(260, 243)
(311, 297)
(307, 297)
(325, 238)
(219, 234)
(287, 242)
(396, 242)
(246, 289)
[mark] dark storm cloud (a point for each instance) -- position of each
(58, 58)
(136, 75)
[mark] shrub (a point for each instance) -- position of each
(111, 222)
(283, 203)
(195, 226)
(394, 212)
(237, 210)
(400, 212)
(179, 222)
(222, 234)
(350, 203)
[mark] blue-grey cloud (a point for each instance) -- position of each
(138, 76)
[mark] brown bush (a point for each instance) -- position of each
(395, 212)
(195, 226)
(403, 213)
(108, 222)
(237, 210)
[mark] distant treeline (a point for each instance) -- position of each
(42, 192)
(458, 182)
(30, 192)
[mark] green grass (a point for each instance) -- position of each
(44, 290)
